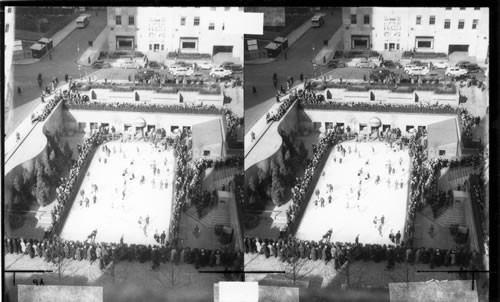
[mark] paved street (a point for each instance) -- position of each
(299, 57)
(64, 57)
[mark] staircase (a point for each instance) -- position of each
(220, 177)
(218, 215)
(452, 215)
(457, 176)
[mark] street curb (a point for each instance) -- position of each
(258, 63)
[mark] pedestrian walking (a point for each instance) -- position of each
(254, 90)
(18, 90)
(50, 56)
(66, 78)
(285, 56)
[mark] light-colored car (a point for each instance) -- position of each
(129, 65)
(183, 71)
(408, 67)
(441, 64)
(205, 65)
(365, 64)
(455, 71)
(418, 70)
(219, 72)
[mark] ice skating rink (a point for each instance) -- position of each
(112, 216)
(349, 217)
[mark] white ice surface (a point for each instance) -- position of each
(375, 200)
(114, 217)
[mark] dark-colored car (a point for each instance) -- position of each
(145, 75)
(335, 64)
(100, 64)
(236, 68)
(379, 75)
(390, 64)
(154, 65)
(472, 68)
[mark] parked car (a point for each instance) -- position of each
(205, 65)
(220, 72)
(455, 71)
(365, 64)
(471, 68)
(418, 70)
(154, 65)
(441, 64)
(432, 76)
(100, 64)
(226, 65)
(335, 64)
(130, 65)
(236, 68)
(182, 71)
(408, 67)
(390, 64)
(462, 63)
(379, 75)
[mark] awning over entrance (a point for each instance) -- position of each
(140, 122)
(375, 122)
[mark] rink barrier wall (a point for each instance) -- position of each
(172, 206)
(310, 191)
(74, 192)
(404, 235)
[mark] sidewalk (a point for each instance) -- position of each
(57, 38)
(333, 44)
(93, 52)
(292, 38)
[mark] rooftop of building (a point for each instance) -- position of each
(442, 133)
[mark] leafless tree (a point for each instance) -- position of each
(295, 268)
(170, 275)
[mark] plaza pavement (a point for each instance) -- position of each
(133, 281)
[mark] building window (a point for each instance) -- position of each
(227, 8)
(477, 8)
(461, 24)
(448, 8)
(354, 19)
(212, 8)
(188, 45)
(9, 10)
(408, 128)
(432, 20)
(118, 20)
(183, 21)
(397, 46)
(196, 21)
(206, 152)
(447, 24)
(125, 42)
(474, 23)
(316, 125)
(211, 26)
(131, 20)
(162, 48)
(7, 28)
(442, 152)
(419, 20)
(462, 8)
(385, 46)
(241, 8)
(424, 44)
(366, 19)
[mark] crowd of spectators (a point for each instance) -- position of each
(118, 106)
(468, 122)
(232, 122)
(54, 250)
(362, 106)
(305, 184)
(283, 108)
(287, 249)
(67, 186)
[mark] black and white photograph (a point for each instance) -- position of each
(248, 153)
(367, 151)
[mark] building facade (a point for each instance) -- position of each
(201, 30)
(422, 29)
(8, 70)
